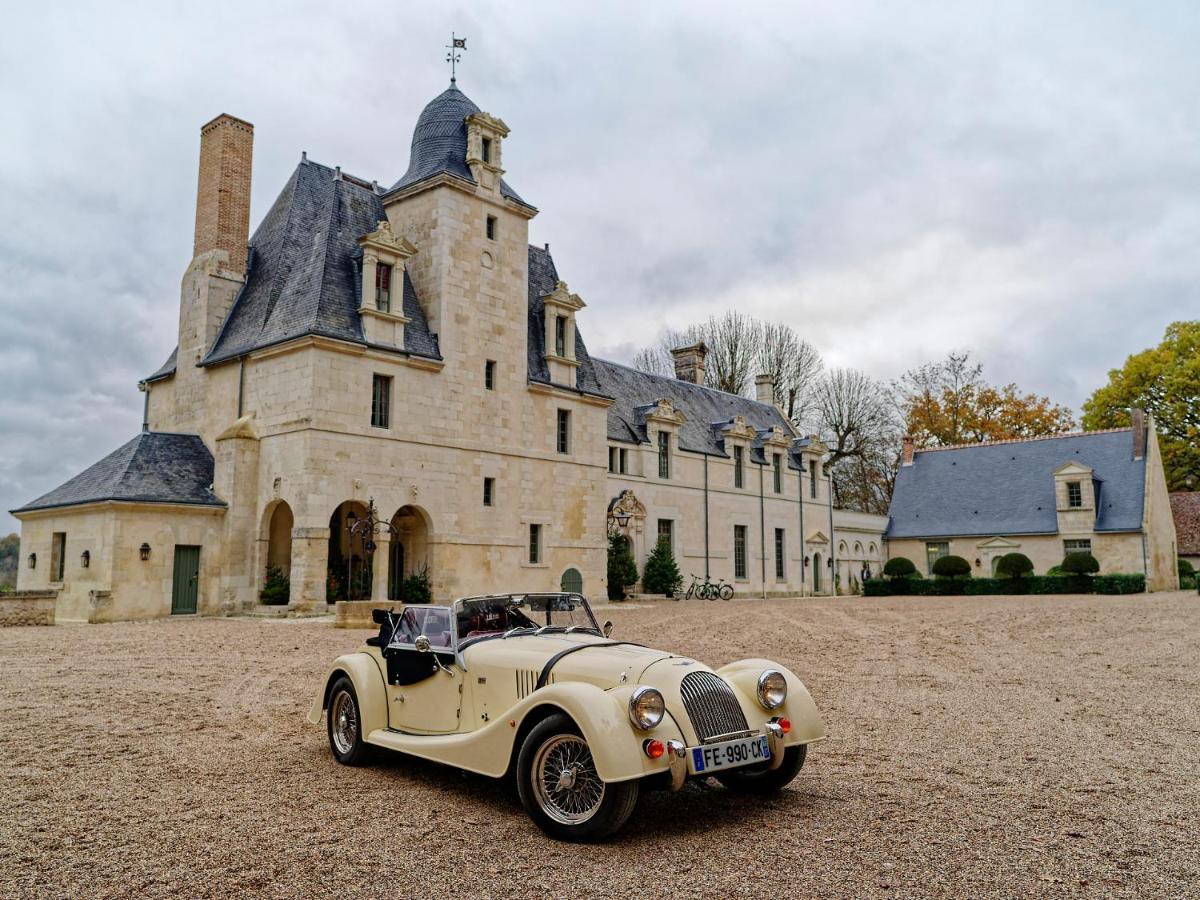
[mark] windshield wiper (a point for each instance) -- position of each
(524, 629)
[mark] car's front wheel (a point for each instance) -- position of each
(761, 780)
(560, 788)
(344, 724)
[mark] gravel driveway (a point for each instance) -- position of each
(978, 747)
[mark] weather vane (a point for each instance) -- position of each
(454, 57)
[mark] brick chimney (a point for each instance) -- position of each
(1138, 419)
(223, 194)
(764, 389)
(907, 447)
(689, 362)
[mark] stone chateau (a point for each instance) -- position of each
(407, 345)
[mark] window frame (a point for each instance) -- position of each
(612, 460)
(622, 461)
(534, 555)
(741, 567)
(668, 533)
(812, 479)
(485, 149)
(489, 491)
(780, 554)
(1074, 495)
(930, 559)
(560, 336)
(562, 438)
(777, 471)
(489, 374)
(381, 401)
(1077, 549)
(383, 291)
(664, 455)
(491, 228)
(58, 557)
(739, 466)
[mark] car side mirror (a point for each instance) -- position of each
(608, 626)
(422, 644)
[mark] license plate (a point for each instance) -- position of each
(729, 754)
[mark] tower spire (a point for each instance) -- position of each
(454, 57)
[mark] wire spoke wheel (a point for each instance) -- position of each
(565, 781)
(343, 719)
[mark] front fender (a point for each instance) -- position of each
(799, 706)
(603, 718)
(364, 674)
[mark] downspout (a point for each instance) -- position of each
(762, 527)
(800, 502)
(241, 383)
(706, 573)
(833, 560)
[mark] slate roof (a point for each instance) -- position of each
(543, 276)
(439, 143)
(1007, 488)
(703, 407)
(155, 467)
(1185, 509)
(166, 369)
(305, 269)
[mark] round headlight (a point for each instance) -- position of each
(646, 708)
(772, 689)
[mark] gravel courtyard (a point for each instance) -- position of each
(977, 747)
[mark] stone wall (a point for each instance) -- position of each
(27, 608)
(1116, 552)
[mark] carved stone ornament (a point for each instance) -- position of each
(384, 240)
(627, 503)
(561, 296)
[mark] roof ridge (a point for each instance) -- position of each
(689, 384)
(1024, 440)
(356, 180)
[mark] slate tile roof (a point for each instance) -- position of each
(1185, 509)
(305, 269)
(439, 143)
(155, 467)
(703, 407)
(1007, 487)
(543, 276)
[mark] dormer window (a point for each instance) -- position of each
(490, 228)
(383, 287)
(487, 150)
(1074, 495)
(739, 467)
(560, 335)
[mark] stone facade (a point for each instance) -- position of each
(27, 608)
(485, 477)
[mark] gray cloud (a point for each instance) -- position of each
(895, 181)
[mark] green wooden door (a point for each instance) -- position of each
(572, 582)
(185, 582)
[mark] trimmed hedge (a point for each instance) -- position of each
(1014, 565)
(951, 567)
(1036, 584)
(1080, 564)
(899, 567)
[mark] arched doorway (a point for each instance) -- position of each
(572, 581)
(816, 573)
(409, 554)
(347, 574)
(279, 538)
(995, 565)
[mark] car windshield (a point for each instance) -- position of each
(524, 614)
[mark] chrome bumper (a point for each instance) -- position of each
(677, 754)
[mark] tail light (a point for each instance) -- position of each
(654, 748)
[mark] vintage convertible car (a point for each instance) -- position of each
(529, 685)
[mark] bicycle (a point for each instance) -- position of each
(706, 590)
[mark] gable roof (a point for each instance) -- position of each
(1008, 487)
(1185, 509)
(305, 269)
(155, 467)
(439, 143)
(702, 406)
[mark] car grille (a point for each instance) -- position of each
(712, 706)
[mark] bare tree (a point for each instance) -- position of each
(794, 364)
(733, 343)
(860, 426)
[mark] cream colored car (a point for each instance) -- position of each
(529, 685)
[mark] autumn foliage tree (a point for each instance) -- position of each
(1164, 381)
(948, 402)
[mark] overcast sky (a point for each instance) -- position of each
(895, 180)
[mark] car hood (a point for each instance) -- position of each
(585, 657)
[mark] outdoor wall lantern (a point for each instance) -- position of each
(144, 552)
(977, 562)
(33, 560)
(806, 561)
(829, 563)
(85, 558)
(620, 517)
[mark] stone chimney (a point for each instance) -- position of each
(1138, 419)
(764, 389)
(689, 362)
(223, 194)
(907, 447)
